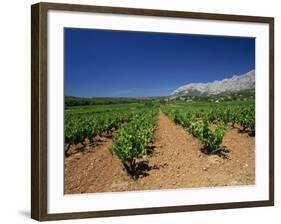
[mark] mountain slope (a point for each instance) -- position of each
(234, 84)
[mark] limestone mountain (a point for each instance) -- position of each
(236, 83)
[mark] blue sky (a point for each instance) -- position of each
(103, 63)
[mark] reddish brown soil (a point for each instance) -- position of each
(176, 162)
(94, 168)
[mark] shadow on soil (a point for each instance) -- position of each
(251, 133)
(222, 152)
(86, 146)
(150, 149)
(140, 169)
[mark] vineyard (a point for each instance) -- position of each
(209, 123)
(133, 131)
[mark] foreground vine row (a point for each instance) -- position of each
(132, 140)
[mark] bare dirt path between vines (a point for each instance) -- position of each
(176, 162)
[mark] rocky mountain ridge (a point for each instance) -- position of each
(234, 84)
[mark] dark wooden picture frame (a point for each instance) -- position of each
(39, 105)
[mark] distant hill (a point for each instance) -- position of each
(241, 87)
(238, 83)
(86, 101)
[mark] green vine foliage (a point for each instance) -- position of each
(211, 139)
(210, 124)
(133, 139)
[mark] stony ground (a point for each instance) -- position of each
(176, 162)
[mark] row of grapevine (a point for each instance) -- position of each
(133, 139)
(209, 124)
(211, 138)
(79, 127)
(243, 116)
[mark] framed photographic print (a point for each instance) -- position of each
(140, 111)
